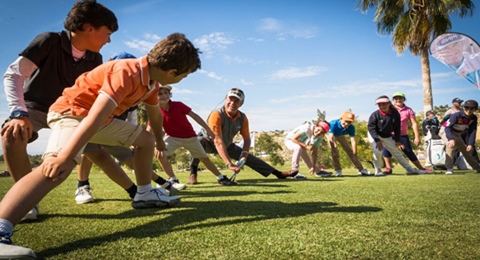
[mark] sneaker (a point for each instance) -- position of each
(168, 189)
(428, 170)
(415, 172)
(226, 181)
(10, 251)
(323, 174)
(449, 171)
(176, 184)
(192, 179)
(290, 173)
(364, 172)
(387, 171)
(299, 177)
(338, 173)
(379, 174)
(155, 198)
(84, 195)
(32, 214)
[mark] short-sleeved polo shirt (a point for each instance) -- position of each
(126, 82)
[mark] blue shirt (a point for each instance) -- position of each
(337, 130)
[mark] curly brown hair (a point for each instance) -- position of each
(175, 52)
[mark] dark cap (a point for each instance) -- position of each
(457, 100)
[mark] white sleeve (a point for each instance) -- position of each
(14, 81)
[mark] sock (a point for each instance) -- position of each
(5, 226)
(160, 180)
(83, 183)
(132, 191)
(144, 188)
(193, 170)
(221, 176)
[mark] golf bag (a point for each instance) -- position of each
(435, 151)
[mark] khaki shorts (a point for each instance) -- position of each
(116, 133)
(192, 144)
(38, 120)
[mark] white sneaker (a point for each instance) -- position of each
(299, 177)
(379, 174)
(364, 172)
(338, 173)
(449, 171)
(32, 214)
(168, 187)
(176, 184)
(83, 195)
(155, 198)
(10, 251)
(415, 171)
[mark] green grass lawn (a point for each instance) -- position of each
(434, 216)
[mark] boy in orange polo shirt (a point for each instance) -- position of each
(84, 113)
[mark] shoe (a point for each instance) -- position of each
(338, 173)
(168, 186)
(428, 170)
(388, 171)
(379, 174)
(364, 172)
(84, 195)
(290, 173)
(192, 179)
(176, 184)
(10, 251)
(449, 171)
(299, 177)
(226, 181)
(323, 174)
(415, 172)
(155, 198)
(32, 214)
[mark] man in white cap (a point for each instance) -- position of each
(225, 123)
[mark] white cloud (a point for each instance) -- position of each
(212, 43)
(293, 72)
(212, 75)
(285, 30)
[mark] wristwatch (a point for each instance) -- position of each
(17, 114)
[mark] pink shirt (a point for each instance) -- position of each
(406, 113)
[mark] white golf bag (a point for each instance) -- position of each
(435, 152)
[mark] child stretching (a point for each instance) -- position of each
(381, 124)
(180, 133)
(84, 114)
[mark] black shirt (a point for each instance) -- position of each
(52, 54)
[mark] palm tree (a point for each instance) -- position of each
(414, 23)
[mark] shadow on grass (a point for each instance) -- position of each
(193, 215)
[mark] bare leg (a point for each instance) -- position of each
(27, 192)
(110, 167)
(16, 158)
(210, 166)
(388, 162)
(84, 169)
(142, 158)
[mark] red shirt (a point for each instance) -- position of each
(175, 121)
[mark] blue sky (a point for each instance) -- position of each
(291, 57)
